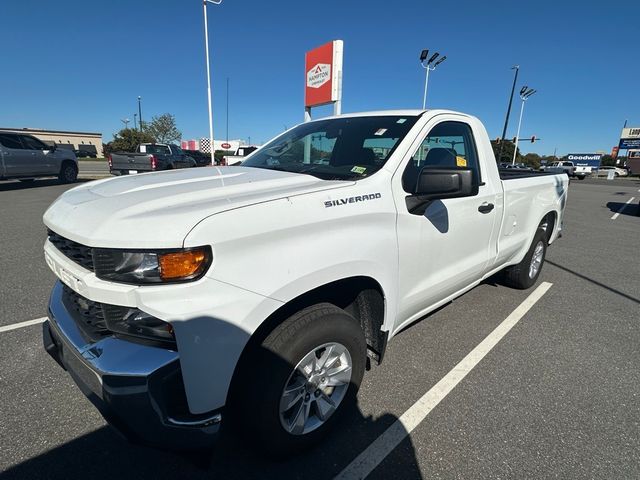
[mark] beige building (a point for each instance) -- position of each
(88, 141)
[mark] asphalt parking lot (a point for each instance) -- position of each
(558, 396)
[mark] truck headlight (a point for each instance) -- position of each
(139, 267)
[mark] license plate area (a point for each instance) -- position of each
(132, 172)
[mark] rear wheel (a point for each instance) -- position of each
(68, 173)
(302, 377)
(525, 274)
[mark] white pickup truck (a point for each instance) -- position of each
(570, 168)
(256, 296)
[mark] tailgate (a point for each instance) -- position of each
(131, 161)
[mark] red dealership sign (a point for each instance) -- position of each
(614, 152)
(323, 74)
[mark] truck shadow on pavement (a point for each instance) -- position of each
(13, 185)
(631, 209)
(103, 453)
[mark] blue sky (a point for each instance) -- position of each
(78, 65)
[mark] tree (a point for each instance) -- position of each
(163, 128)
(608, 161)
(507, 151)
(127, 140)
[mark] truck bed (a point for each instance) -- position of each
(512, 173)
(123, 163)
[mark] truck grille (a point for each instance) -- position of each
(91, 317)
(80, 254)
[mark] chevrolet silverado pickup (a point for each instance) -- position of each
(150, 157)
(570, 168)
(255, 297)
(25, 158)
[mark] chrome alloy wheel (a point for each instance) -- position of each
(536, 259)
(315, 388)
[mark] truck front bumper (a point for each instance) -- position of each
(137, 388)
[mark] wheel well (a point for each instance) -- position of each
(548, 224)
(361, 297)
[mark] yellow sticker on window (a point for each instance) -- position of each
(359, 170)
(461, 162)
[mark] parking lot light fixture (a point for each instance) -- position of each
(206, 50)
(525, 93)
(429, 65)
(140, 111)
(506, 120)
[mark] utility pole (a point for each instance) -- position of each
(506, 120)
(140, 111)
(206, 50)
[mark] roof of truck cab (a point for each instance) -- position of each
(401, 113)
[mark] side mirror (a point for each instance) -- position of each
(439, 184)
(51, 148)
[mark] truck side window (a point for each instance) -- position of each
(447, 145)
(10, 141)
(31, 143)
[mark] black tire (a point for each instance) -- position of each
(68, 173)
(519, 276)
(272, 367)
(581, 177)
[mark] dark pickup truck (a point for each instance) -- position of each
(150, 157)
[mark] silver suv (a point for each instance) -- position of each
(25, 158)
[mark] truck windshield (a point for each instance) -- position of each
(335, 149)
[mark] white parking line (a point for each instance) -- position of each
(373, 455)
(15, 326)
(615, 215)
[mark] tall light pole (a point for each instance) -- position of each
(140, 111)
(206, 50)
(525, 93)
(125, 121)
(135, 123)
(506, 120)
(428, 65)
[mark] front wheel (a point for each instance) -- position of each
(68, 173)
(303, 376)
(525, 274)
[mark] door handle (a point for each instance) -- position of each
(486, 207)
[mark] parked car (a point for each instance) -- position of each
(85, 154)
(238, 157)
(149, 157)
(25, 158)
(519, 166)
(569, 168)
(265, 290)
(202, 159)
(619, 172)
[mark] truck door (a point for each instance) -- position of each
(18, 160)
(449, 246)
(40, 162)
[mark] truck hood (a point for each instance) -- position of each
(157, 210)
